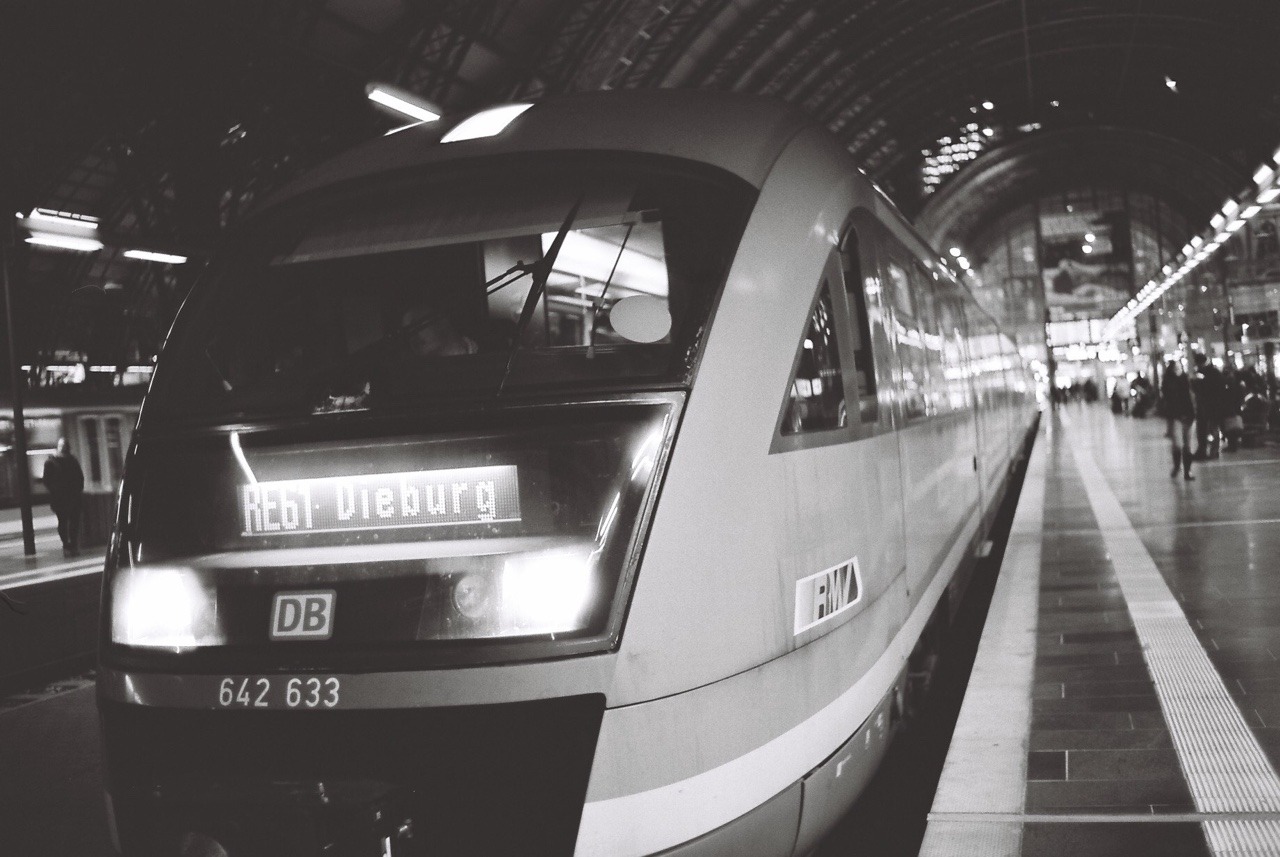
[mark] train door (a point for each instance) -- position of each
(871, 383)
(963, 424)
(923, 529)
(103, 439)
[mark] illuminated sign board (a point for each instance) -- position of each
(381, 501)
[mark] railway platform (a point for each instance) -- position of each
(1125, 699)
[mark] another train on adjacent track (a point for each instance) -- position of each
(576, 478)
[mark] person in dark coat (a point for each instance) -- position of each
(1180, 411)
(1210, 389)
(65, 482)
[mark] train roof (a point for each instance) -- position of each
(739, 133)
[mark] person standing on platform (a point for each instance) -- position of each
(1180, 411)
(1210, 390)
(65, 482)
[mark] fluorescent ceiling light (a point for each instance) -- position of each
(594, 258)
(149, 256)
(486, 123)
(1250, 211)
(403, 128)
(1265, 174)
(1234, 225)
(1216, 221)
(401, 102)
(65, 242)
(1230, 207)
(64, 218)
(1269, 194)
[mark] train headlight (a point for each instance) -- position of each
(164, 608)
(547, 592)
(471, 595)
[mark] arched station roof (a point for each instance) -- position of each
(168, 120)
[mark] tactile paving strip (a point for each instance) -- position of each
(1225, 768)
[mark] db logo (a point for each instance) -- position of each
(306, 615)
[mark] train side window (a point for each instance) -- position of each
(863, 364)
(951, 327)
(816, 393)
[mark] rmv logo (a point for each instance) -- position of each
(306, 615)
(822, 596)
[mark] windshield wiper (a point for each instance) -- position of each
(541, 273)
(520, 268)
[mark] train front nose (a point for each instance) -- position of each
(372, 682)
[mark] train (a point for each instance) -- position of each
(592, 476)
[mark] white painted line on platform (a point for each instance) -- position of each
(1109, 817)
(1185, 525)
(39, 523)
(1225, 768)
(985, 772)
(50, 573)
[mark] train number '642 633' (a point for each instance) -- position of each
(279, 692)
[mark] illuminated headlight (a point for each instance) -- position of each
(164, 608)
(518, 595)
(546, 593)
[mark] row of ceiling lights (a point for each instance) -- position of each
(64, 230)
(1233, 215)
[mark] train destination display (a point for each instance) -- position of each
(378, 501)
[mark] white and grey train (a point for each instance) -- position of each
(575, 478)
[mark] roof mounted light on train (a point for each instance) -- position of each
(487, 123)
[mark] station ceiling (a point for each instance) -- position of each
(168, 120)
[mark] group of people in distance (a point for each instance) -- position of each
(1209, 400)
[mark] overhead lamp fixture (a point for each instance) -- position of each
(150, 256)
(955, 251)
(65, 242)
(1234, 225)
(486, 123)
(403, 128)
(402, 103)
(1269, 194)
(1250, 212)
(987, 105)
(1216, 221)
(1230, 207)
(1264, 175)
(64, 218)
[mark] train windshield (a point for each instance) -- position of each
(531, 275)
